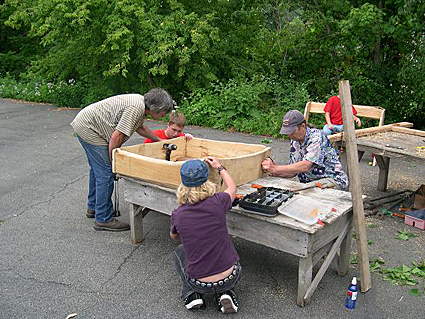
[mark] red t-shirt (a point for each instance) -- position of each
(160, 134)
(333, 106)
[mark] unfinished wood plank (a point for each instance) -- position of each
(330, 232)
(355, 187)
(305, 274)
(373, 112)
(307, 111)
(326, 263)
(318, 255)
(243, 161)
(271, 235)
(154, 197)
(345, 251)
(408, 131)
(384, 168)
(136, 223)
(369, 131)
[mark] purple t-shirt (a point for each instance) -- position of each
(203, 233)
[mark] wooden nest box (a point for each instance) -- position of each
(147, 161)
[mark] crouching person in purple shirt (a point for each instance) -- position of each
(206, 261)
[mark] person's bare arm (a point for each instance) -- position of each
(286, 170)
(117, 138)
(357, 120)
(328, 120)
(230, 184)
(145, 132)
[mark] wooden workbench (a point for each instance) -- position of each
(398, 142)
(308, 243)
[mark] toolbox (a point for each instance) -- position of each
(265, 201)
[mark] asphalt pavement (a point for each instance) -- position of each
(53, 263)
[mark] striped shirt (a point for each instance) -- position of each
(96, 122)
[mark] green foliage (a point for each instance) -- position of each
(216, 52)
(405, 235)
(354, 259)
(402, 275)
(266, 141)
(62, 94)
(255, 106)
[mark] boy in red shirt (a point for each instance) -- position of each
(333, 116)
(174, 128)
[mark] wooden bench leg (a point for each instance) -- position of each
(136, 222)
(384, 167)
(305, 274)
(331, 255)
(345, 251)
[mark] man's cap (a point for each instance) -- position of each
(291, 120)
(194, 173)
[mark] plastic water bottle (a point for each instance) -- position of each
(350, 302)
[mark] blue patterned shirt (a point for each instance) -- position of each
(317, 149)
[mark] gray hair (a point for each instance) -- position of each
(158, 100)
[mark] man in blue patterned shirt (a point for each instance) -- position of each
(311, 157)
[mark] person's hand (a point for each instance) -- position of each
(359, 123)
(212, 161)
(188, 136)
(268, 165)
(331, 127)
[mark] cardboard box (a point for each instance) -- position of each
(415, 218)
(419, 202)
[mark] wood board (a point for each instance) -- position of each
(147, 161)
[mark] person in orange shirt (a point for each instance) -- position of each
(333, 116)
(174, 129)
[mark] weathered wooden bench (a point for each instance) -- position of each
(372, 112)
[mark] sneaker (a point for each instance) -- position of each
(112, 225)
(90, 213)
(194, 301)
(227, 302)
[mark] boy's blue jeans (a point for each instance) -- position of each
(101, 181)
(336, 129)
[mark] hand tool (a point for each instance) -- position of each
(258, 186)
(168, 148)
(323, 185)
(117, 212)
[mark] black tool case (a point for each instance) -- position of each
(265, 201)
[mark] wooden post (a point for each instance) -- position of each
(355, 184)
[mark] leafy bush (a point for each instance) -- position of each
(61, 94)
(253, 106)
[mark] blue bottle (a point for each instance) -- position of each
(350, 302)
